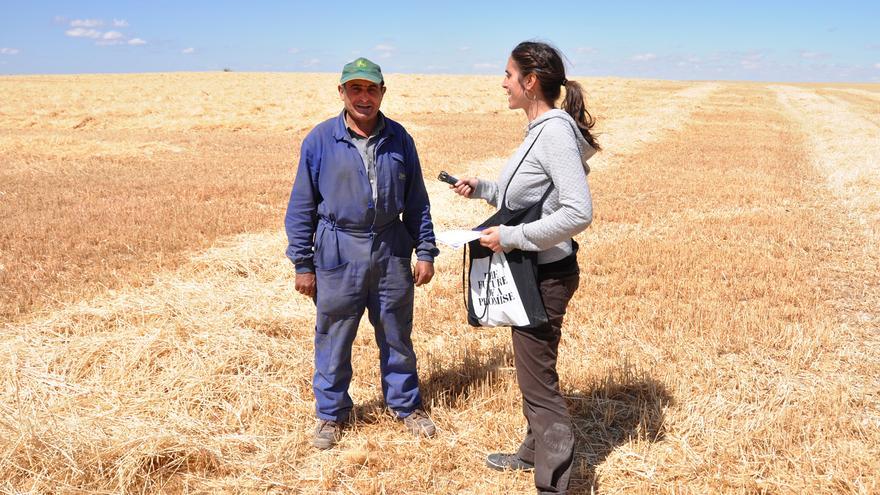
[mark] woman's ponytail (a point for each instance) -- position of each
(575, 105)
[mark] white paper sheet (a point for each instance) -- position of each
(457, 238)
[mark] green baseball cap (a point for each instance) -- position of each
(361, 68)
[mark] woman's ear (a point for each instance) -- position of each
(531, 81)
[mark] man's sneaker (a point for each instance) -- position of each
(501, 462)
(419, 424)
(327, 433)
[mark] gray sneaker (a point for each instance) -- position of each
(327, 433)
(502, 462)
(419, 424)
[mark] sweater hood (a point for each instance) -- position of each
(586, 150)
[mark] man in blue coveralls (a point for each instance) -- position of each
(357, 211)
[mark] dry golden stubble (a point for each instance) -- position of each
(146, 180)
(254, 102)
(723, 289)
(845, 150)
(700, 355)
(867, 106)
(76, 226)
(165, 320)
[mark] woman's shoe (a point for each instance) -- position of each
(501, 462)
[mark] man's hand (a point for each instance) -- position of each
(305, 284)
(423, 272)
(491, 239)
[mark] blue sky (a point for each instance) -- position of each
(745, 40)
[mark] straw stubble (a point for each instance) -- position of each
(723, 338)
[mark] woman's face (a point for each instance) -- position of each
(516, 93)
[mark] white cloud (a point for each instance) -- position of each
(587, 50)
(59, 19)
(86, 23)
(83, 33)
(752, 61)
(84, 28)
(464, 48)
(684, 61)
(312, 62)
(8, 51)
(813, 55)
(385, 50)
(644, 57)
(294, 51)
(111, 38)
(486, 66)
(877, 65)
(187, 51)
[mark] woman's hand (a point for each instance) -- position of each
(465, 187)
(491, 239)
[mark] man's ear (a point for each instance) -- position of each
(341, 89)
(383, 89)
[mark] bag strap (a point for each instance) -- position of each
(546, 194)
(465, 282)
(464, 276)
(465, 286)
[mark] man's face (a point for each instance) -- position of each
(362, 99)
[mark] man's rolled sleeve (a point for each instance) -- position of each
(301, 218)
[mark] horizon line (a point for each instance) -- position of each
(426, 74)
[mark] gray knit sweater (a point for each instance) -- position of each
(559, 156)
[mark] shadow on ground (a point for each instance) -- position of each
(626, 405)
(447, 381)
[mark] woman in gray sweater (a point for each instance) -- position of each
(534, 78)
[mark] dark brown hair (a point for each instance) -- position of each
(545, 62)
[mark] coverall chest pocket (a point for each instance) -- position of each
(394, 177)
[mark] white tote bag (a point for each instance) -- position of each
(494, 295)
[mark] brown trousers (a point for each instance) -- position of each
(549, 442)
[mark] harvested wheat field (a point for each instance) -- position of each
(725, 337)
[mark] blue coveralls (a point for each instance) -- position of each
(361, 254)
